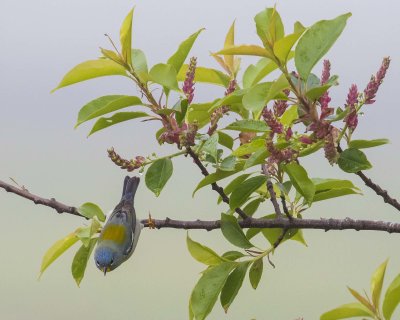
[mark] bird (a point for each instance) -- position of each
(120, 234)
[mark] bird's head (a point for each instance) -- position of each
(105, 259)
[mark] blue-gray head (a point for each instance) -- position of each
(105, 258)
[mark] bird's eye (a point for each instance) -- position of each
(112, 261)
(97, 263)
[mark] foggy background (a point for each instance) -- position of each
(41, 40)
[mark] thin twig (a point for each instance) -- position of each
(285, 209)
(214, 185)
(378, 190)
(52, 203)
(272, 194)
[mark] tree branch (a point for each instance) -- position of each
(52, 203)
(214, 185)
(272, 194)
(378, 190)
(322, 224)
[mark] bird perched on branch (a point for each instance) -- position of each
(120, 234)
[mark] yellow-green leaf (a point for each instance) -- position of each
(230, 42)
(202, 253)
(361, 299)
(90, 210)
(392, 298)
(126, 37)
(80, 261)
(103, 123)
(104, 105)
(56, 250)
(246, 50)
(91, 69)
(207, 289)
(346, 311)
(377, 282)
(205, 75)
(283, 46)
(179, 57)
(164, 74)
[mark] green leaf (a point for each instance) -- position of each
(165, 75)
(207, 289)
(257, 97)
(255, 273)
(283, 46)
(233, 233)
(199, 113)
(229, 42)
(250, 147)
(332, 188)
(216, 176)
(248, 126)
(363, 144)
(353, 160)
(246, 50)
(255, 73)
(210, 146)
(277, 87)
(225, 140)
(311, 149)
(109, 54)
(316, 42)
(158, 174)
(103, 123)
(333, 193)
(256, 158)
(202, 253)
(232, 255)
(229, 100)
(228, 164)
(242, 193)
(90, 210)
(315, 93)
(377, 282)
(179, 57)
(181, 109)
(233, 284)
(205, 75)
(252, 207)
(327, 184)
(234, 183)
(89, 70)
(346, 311)
(139, 64)
(80, 261)
(392, 298)
(126, 37)
(298, 176)
(361, 299)
(269, 26)
(289, 116)
(104, 105)
(56, 250)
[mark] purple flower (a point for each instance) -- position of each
(376, 80)
(306, 139)
(188, 84)
(352, 99)
(325, 99)
(326, 72)
(271, 121)
(330, 148)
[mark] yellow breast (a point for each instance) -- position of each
(115, 233)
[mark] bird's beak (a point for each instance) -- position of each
(105, 270)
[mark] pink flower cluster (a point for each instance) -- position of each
(375, 81)
(188, 84)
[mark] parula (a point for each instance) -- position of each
(120, 234)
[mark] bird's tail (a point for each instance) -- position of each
(130, 187)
